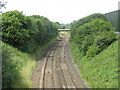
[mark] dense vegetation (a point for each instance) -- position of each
(19, 30)
(94, 37)
(28, 34)
(17, 67)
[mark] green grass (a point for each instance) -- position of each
(100, 71)
(14, 65)
(18, 66)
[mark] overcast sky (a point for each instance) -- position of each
(63, 11)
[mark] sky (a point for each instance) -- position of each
(62, 11)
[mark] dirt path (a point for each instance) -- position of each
(57, 68)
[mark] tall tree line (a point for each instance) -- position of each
(19, 30)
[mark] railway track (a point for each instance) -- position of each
(56, 69)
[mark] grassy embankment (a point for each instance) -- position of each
(100, 71)
(94, 46)
(20, 65)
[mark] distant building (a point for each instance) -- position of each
(63, 29)
(114, 17)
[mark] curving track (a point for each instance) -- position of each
(56, 69)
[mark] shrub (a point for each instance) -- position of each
(98, 32)
(92, 51)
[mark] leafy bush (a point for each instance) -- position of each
(92, 51)
(98, 32)
(76, 24)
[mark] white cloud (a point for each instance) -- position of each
(63, 11)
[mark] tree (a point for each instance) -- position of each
(14, 28)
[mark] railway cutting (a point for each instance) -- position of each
(57, 69)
